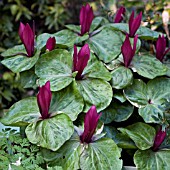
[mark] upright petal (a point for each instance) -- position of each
(28, 40)
(90, 124)
(159, 138)
(160, 47)
(44, 99)
(75, 58)
(134, 23)
(83, 58)
(86, 17)
(127, 51)
(119, 14)
(21, 29)
(50, 44)
(134, 44)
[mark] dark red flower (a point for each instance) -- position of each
(127, 51)
(50, 44)
(80, 60)
(90, 124)
(134, 24)
(159, 138)
(27, 37)
(44, 99)
(161, 48)
(119, 14)
(86, 18)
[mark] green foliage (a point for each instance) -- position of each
(13, 148)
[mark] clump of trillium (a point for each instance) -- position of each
(128, 51)
(27, 36)
(161, 50)
(159, 138)
(50, 44)
(134, 23)
(80, 60)
(44, 99)
(90, 125)
(86, 17)
(119, 14)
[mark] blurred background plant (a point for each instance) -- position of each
(51, 16)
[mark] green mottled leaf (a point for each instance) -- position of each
(20, 63)
(142, 134)
(28, 78)
(67, 156)
(148, 67)
(68, 101)
(42, 39)
(97, 156)
(118, 94)
(151, 98)
(95, 92)
(143, 32)
(117, 112)
(97, 21)
(137, 93)
(74, 28)
(22, 113)
(149, 160)
(69, 38)
(96, 69)
(121, 140)
(121, 77)
(14, 50)
(55, 66)
(106, 44)
(50, 133)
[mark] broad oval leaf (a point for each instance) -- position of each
(22, 113)
(97, 156)
(68, 101)
(13, 51)
(148, 67)
(121, 140)
(96, 69)
(97, 21)
(142, 134)
(68, 156)
(151, 98)
(69, 38)
(55, 66)
(150, 160)
(143, 32)
(121, 77)
(106, 44)
(117, 112)
(28, 78)
(50, 133)
(20, 63)
(95, 92)
(137, 93)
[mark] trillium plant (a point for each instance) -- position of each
(103, 99)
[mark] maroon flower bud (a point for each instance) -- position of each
(159, 138)
(27, 37)
(50, 44)
(119, 14)
(134, 24)
(90, 124)
(86, 18)
(43, 99)
(161, 48)
(80, 60)
(127, 51)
